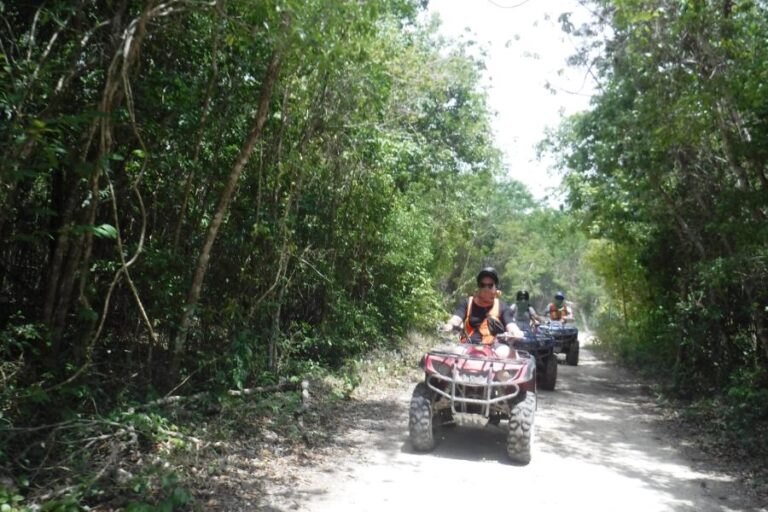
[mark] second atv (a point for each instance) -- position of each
(542, 347)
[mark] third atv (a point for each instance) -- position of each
(566, 340)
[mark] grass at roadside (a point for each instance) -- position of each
(211, 452)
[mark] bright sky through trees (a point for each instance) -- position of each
(526, 51)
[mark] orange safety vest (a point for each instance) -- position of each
(557, 314)
(485, 332)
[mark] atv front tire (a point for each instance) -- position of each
(572, 357)
(549, 379)
(520, 435)
(421, 426)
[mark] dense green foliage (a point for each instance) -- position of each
(123, 136)
(668, 172)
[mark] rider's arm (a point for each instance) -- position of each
(458, 315)
(451, 324)
(510, 325)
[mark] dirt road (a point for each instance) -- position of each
(596, 448)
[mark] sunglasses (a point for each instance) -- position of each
(486, 285)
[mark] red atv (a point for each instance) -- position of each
(474, 380)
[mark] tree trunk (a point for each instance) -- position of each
(221, 209)
(623, 294)
(275, 334)
(684, 228)
(57, 257)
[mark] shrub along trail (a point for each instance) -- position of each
(599, 445)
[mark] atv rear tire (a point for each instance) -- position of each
(520, 435)
(549, 379)
(572, 357)
(421, 425)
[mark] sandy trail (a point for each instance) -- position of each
(595, 448)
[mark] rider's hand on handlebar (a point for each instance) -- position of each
(514, 331)
(447, 327)
(508, 337)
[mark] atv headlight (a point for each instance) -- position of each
(441, 368)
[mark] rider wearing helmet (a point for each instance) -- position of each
(483, 315)
(559, 310)
(525, 315)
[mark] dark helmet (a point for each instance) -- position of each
(523, 295)
(488, 272)
(560, 296)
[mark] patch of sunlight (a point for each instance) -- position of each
(597, 416)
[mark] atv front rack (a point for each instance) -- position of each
(559, 330)
(486, 382)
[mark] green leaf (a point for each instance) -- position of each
(105, 231)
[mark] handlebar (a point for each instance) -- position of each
(508, 337)
(504, 337)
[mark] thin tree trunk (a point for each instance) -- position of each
(284, 257)
(199, 139)
(742, 180)
(285, 253)
(64, 302)
(221, 209)
(622, 290)
(761, 333)
(275, 336)
(683, 226)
